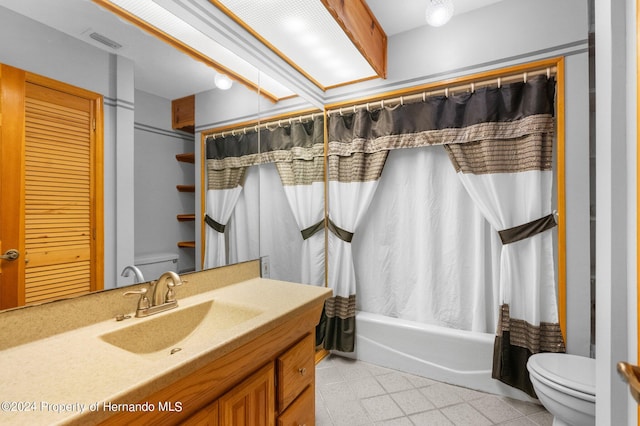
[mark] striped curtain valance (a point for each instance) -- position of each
(509, 112)
(287, 143)
(524, 153)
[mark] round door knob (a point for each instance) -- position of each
(302, 371)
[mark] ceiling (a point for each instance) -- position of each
(160, 68)
(411, 14)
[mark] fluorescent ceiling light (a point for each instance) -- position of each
(297, 30)
(165, 21)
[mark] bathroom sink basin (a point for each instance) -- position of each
(167, 330)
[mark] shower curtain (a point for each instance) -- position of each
(226, 161)
(297, 150)
(500, 143)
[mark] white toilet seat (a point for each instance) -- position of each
(571, 374)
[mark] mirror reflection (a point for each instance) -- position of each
(151, 163)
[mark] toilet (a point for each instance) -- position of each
(566, 386)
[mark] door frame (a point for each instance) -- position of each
(12, 126)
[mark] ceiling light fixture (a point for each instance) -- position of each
(439, 12)
(223, 82)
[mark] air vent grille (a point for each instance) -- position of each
(105, 40)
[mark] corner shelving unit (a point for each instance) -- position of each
(183, 118)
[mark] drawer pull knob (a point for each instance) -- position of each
(302, 371)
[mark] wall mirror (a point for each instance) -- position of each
(151, 197)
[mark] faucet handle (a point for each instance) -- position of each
(143, 302)
(171, 294)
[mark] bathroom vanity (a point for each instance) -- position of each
(235, 351)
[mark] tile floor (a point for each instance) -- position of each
(350, 392)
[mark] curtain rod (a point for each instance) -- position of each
(266, 125)
(449, 90)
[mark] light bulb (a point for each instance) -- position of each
(439, 12)
(223, 82)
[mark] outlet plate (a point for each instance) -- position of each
(265, 267)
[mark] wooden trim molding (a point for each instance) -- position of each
(562, 200)
(364, 30)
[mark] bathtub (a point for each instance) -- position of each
(452, 356)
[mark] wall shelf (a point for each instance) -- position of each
(188, 157)
(186, 188)
(186, 217)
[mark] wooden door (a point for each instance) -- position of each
(251, 403)
(50, 189)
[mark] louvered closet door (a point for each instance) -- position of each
(58, 172)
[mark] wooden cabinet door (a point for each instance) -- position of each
(208, 416)
(251, 403)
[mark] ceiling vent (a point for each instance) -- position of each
(106, 41)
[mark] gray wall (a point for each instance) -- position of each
(156, 174)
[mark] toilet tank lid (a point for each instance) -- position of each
(156, 258)
(572, 371)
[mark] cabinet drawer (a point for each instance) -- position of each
(296, 371)
(301, 412)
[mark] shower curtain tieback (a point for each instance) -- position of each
(312, 230)
(524, 231)
(217, 226)
(343, 234)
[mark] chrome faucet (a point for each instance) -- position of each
(157, 302)
(139, 278)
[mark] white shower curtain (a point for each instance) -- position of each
(301, 171)
(220, 205)
(243, 228)
(433, 234)
(307, 206)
